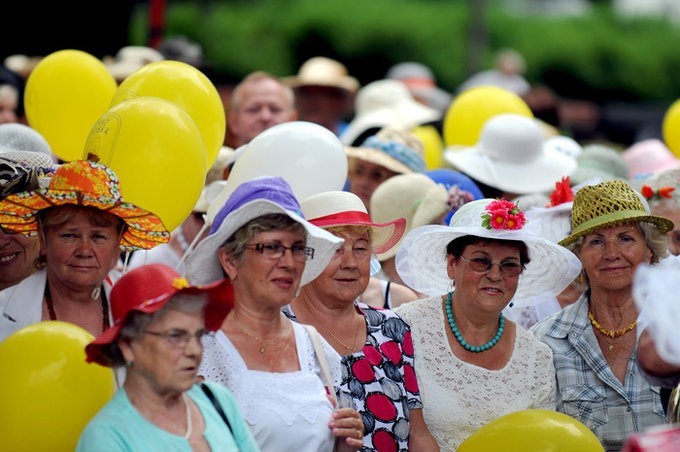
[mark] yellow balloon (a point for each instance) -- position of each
(66, 93)
(533, 429)
(671, 128)
(157, 152)
(187, 87)
(48, 391)
(473, 107)
(433, 145)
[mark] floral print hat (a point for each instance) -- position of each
(90, 184)
(421, 259)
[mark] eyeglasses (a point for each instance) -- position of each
(180, 338)
(508, 269)
(275, 250)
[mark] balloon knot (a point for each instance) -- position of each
(92, 157)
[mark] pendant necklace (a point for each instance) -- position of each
(263, 345)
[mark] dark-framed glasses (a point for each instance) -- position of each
(507, 268)
(180, 338)
(275, 250)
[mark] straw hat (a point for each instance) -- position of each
(421, 259)
(252, 199)
(84, 183)
(342, 208)
(148, 289)
(396, 149)
(322, 71)
(415, 197)
(386, 103)
(512, 156)
(607, 204)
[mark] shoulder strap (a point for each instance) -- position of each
(388, 304)
(321, 358)
(217, 405)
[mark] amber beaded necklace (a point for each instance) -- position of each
(611, 333)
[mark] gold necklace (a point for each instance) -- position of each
(354, 341)
(263, 345)
(611, 333)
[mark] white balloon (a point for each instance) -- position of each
(308, 156)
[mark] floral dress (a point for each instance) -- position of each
(379, 380)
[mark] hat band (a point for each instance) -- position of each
(397, 151)
(613, 217)
(419, 82)
(343, 218)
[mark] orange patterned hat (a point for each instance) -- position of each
(84, 183)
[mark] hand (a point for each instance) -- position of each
(347, 423)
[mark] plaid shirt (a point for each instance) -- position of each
(587, 389)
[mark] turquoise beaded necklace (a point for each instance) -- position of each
(459, 337)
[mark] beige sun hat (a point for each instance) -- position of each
(386, 103)
(322, 71)
(129, 59)
(415, 197)
(397, 150)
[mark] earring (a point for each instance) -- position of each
(581, 278)
(512, 303)
(128, 363)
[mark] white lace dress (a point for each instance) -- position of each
(285, 411)
(459, 398)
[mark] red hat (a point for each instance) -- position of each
(147, 289)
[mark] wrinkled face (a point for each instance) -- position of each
(80, 254)
(364, 177)
(347, 275)
(674, 235)
(261, 278)
(169, 364)
(18, 256)
(610, 256)
(263, 105)
(488, 291)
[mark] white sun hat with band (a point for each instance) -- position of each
(342, 208)
(421, 259)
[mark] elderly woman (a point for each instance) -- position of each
(594, 340)
(375, 344)
(261, 243)
(473, 364)
(82, 223)
(160, 323)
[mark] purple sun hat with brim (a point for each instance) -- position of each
(462, 189)
(250, 200)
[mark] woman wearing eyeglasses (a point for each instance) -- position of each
(473, 365)
(160, 321)
(260, 241)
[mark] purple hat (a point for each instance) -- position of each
(250, 200)
(461, 188)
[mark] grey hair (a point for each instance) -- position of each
(236, 244)
(137, 322)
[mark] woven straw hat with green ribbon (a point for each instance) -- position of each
(608, 204)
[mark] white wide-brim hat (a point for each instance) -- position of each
(386, 103)
(421, 259)
(250, 200)
(655, 292)
(511, 156)
(342, 208)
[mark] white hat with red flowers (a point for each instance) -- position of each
(421, 259)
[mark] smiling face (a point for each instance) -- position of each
(364, 177)
(611, 255)
(347, 275)
(165, 365)
(18, 257)
(488, 291)
(80, 246)
(262, 279)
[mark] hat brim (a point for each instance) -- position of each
(421, 260)
(384, 236)
(349, 84)
(203, 265)
(407, 114)
(615, 218)
(521, 178)
(377, 157)
(220, 296)
(144, 230)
